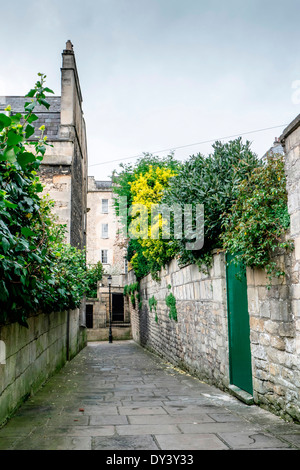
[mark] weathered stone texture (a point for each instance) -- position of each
(35, 353)
(198, 340)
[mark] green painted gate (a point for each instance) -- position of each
(238, 326)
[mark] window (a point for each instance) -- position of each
(104, 257)
(104, 230)
(104, 206)
(125, 266)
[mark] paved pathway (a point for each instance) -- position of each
(120, 397)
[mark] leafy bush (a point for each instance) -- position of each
(257, 221)
(214, 182)
(93, 275)
(130, 290)
(126, 185)
(38, 271)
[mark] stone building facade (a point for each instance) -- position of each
(105, 241)
(104, 312)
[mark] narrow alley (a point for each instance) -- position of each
(121, 397)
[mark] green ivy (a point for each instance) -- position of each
(171, 303)
(153, 305)
(256, 224)
(213, 181)
(132, 290)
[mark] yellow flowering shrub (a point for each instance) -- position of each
(147, 189)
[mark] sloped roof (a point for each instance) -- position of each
(49, 118)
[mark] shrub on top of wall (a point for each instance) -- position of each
(258, 219)
(245, 206)
(132, 290)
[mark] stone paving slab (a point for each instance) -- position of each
(244, 440)
(191, 442)
(168, 419)
(125, 443)
(120, 397)
(151, 429)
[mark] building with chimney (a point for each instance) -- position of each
(84, 205)
(64, 168)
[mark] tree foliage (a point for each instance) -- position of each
(140, 183)
(147, 189)
(93, 275)
(257, 222)
(244, 198)
(214, 182)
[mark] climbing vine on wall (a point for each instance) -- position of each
(153, 306)
(171, 303)
(132, 290)
(257, 222)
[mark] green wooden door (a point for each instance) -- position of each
(238, 326)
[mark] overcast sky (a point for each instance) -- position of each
(159, 74)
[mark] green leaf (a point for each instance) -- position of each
(16, 117)
(31, 93)
(5, 244)
(29, 106)
(29, 131)
(48, 90)
(13, 138)
(10, 204)
(5, 120)
(36, 258)
(39, 188)
(27, 232)
(31, 118)
(3, 291)
(25, 158)
(45, 103)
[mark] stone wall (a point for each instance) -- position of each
(35, 353)
(198, 340)
(273, 334)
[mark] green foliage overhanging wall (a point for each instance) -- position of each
(245, 206)
(38, 270)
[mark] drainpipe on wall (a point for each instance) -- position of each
(68, 336)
